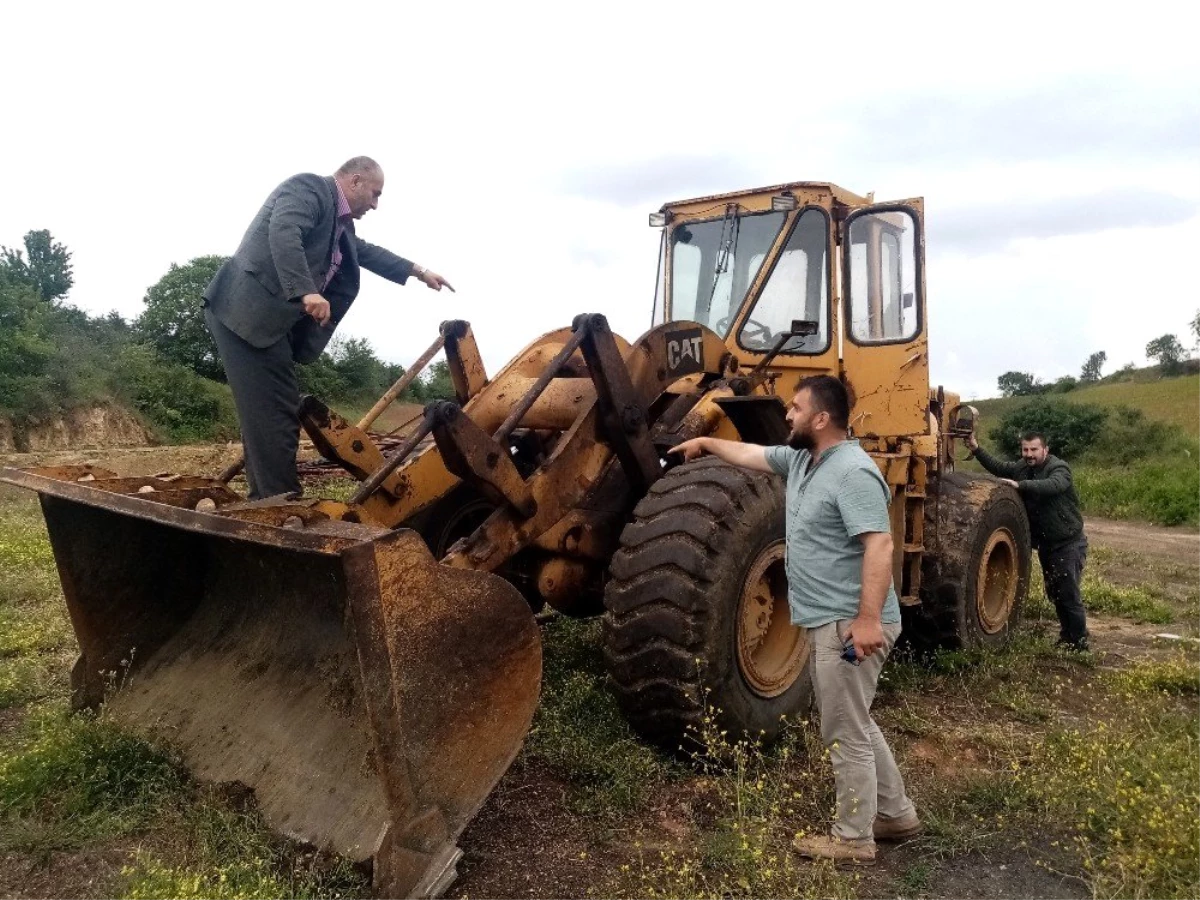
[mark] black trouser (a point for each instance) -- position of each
(1062, 570)
(267, 396)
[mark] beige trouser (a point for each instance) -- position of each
(864, 770)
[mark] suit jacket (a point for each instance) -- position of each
(285, 254)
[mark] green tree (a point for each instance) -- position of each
(321, 378)
(435, 383)
(47, 269)
(173, 321)
(362, 372)
(27, 348)
(1195, 327)
(1168, 352)
(1018, 384)
(1091, 368)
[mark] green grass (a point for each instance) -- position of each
(748, 804)
(579, 731)
(1126, 806)
(1133, 602)
(1166, 493)
(35, 636)
(246, 878)
(1177, 675)
(230, 854)
(74, 781)
(1105, 785)
(67, 781)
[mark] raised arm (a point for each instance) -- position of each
(387, 264)
(997, 467)
(747, 456)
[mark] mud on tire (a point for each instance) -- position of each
(974, 585)
(700, 572)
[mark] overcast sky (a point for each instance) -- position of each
(1057, 147)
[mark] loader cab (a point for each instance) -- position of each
(749, 264)
(723, 266)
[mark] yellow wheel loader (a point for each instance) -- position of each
(370, 668)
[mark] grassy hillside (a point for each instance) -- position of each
(1162, 482)
(1174, 400)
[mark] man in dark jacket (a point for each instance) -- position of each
(277, 300)
(1055, 526)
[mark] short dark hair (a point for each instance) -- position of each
(829, 395)
(1035, 436)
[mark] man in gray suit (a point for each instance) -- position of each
(277, 300)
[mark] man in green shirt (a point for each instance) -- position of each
(839, 567)
(1055, 527)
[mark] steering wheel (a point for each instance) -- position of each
(751, 330)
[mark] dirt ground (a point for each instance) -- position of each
(1178, 544)
(525, 842)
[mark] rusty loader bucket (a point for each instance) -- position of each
(369, 696)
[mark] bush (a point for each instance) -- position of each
(52, 358)
(350, 372)
(184, 406)
(1127, 372)
(1070, 428)
(1064, 385)
(1128, 436)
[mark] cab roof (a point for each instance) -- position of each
(839, 194)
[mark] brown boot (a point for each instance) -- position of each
(859, 853)
(900, 829)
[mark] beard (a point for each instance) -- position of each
(801, 440)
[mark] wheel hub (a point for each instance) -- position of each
(996, 581)
(771, 651)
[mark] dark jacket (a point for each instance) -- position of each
(285, 254)
(1049, 496)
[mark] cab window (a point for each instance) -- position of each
(883, 278)
(714, 262)
(797, 288)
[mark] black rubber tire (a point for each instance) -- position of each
(452, 517)
(455, 516)
(672, 600)
(971, 514)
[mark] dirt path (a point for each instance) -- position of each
(1178, 544)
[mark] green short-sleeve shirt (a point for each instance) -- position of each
(828, 507)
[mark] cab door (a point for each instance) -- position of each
(885, 352)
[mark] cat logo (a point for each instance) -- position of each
(685, 351)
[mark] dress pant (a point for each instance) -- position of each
(267, 395)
